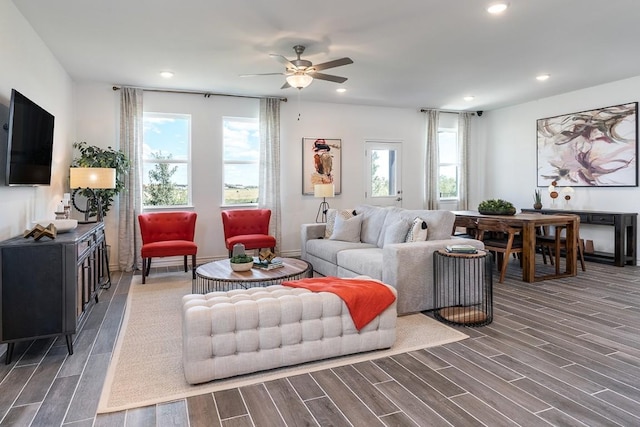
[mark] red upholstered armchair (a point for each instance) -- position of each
(167, 234)
(249, 227)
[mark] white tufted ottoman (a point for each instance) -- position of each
(247, 330)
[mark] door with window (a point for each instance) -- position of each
(383, 173)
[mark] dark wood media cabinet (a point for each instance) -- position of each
(47, 286)
(625, 234)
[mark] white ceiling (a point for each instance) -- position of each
(406, 53)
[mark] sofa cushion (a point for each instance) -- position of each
(372, 222)
(331, 219)
(347, 230)
(328, 249)
(362, 261)
(418, 231)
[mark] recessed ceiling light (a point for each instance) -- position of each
(497, 7)
(341, 90)
(469, 98)
(166, 74)
(543, 77)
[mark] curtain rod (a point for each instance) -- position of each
(424, 110)
(197, 92)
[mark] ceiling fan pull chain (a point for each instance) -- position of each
(299, 112)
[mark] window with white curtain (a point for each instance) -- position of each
(166, 159)
(449, 163)
(241, 157)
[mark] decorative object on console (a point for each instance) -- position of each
(567, 191)
(321, 164)
(594, 148)
(553, 193)
(496, 207)
(324, 191)
(96, 157)
(39, 232)
(537, 199)
(62, 225)
(87, 180)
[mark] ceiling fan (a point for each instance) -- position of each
(300, 72)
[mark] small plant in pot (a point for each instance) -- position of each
(537, 199)
(496, 207)
(242, 262)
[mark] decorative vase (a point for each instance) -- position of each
(537, 206)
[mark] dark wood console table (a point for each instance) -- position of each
(47, 286)
(625, 234)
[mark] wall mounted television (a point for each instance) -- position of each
(29, 142)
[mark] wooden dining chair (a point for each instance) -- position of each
(552, 244)
(501, 239)
(469, 224)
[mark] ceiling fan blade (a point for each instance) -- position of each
(335, 63)
(283, 60)
(261, 74)
(329, 77)
(286, 85)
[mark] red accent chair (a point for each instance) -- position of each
(249, 227)
(167, 234)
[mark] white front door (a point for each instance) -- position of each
(383, 173)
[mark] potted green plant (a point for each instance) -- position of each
(242, 262)
(496, 207)
(96, 157)
(537, 199)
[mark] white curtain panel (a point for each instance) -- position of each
(130, 199)
(432, 161)
(464, 126)
(269, 192)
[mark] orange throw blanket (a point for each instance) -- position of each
(365, 299)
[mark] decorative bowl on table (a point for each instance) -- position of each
(496, 207)
(241, 263)
(62, 225)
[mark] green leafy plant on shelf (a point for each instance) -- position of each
(496, 207)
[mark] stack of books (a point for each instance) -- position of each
(274, 263)
(461, 249)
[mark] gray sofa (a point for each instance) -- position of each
(407, 266)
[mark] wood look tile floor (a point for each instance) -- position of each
(563, 352)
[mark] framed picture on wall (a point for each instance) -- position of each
(594, 148)
(321, 163)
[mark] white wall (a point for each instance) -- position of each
(505, 155)
(97, 123)
(28, 66)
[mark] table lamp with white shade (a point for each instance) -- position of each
(324, 191)
(89, 180)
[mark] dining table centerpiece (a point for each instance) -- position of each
(496, 207)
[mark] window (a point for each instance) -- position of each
(241, 156)
(166, 159)
(449, 163)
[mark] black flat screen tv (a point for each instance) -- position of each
(30, 142)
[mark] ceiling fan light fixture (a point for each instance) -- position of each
(497, 7)
(299, 80)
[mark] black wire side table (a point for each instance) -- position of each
(463, 288)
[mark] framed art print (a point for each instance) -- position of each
(321, 163)
(594, 148)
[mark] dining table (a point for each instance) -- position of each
(529, 223)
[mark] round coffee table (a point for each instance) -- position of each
(218, 275)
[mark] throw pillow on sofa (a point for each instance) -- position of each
(347, 230)
(396, 232)
(331, 219)
(418, 231)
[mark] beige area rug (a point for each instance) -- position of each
(146, 367)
